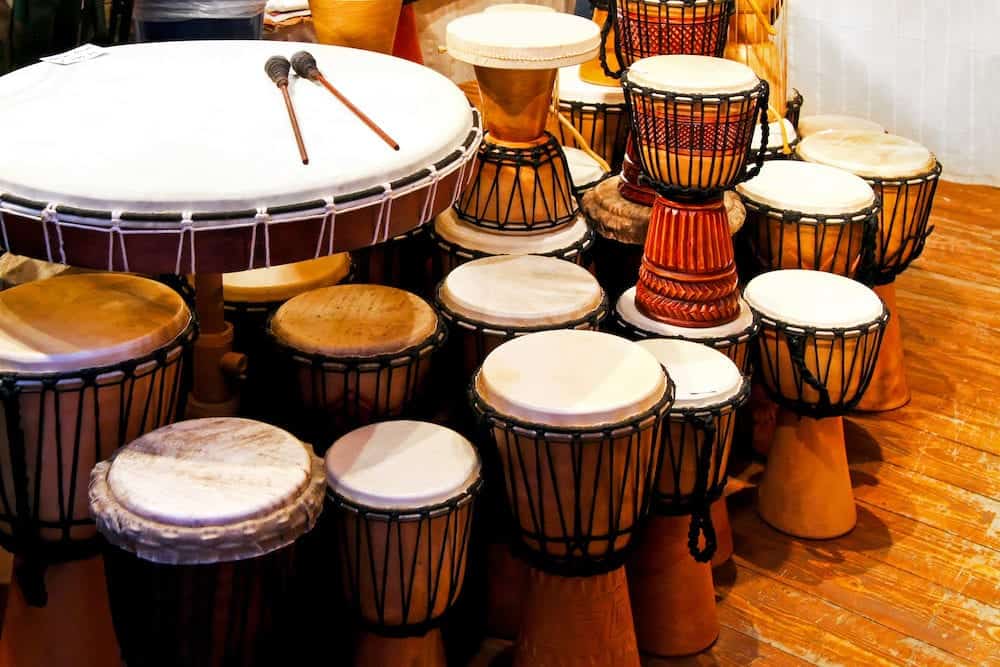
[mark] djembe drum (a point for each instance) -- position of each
(818, 345)
(403, 495)
(808, 216)
(521, 181)
(576, 418)
(781, 140)
(360, 24)
(905, 175)
(356, 354)
(87, 363)
(597, 112)
(692, 120)
(809, 125)
(202, 520)
(669, 576)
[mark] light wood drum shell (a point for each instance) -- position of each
(360, 24)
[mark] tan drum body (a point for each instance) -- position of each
(592, 71)
(737, 352)
(515, 103)
(684, 444)
(899, 219)
(834, 247)
(604, 126)
(359, 24)
(678, 30)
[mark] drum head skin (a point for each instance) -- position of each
(521, 291)
(695, 75)
(868, 154)
(401, 465)
(449, 227)
(568, 378)
(630, 314)
(583, 169)
(207, 490)
(702, 376)
(809, 125)
(774, 137)
(69, 323)
(354, 321)
(813, 299)
(280, 283)
(512, 40)
(574, 89)
(790, 185)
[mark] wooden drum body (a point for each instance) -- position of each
(359, 24)
(598, 113)
(592, 71)
(645, 28)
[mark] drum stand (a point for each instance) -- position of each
(217, 369)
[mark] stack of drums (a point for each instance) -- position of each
(88, 363)
(904, 174)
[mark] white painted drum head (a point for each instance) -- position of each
(401, 465)
(809, 125)
(207, 490)
(868, 154)
(702, 376)
(813, 299)
(517, 7)
(695, 75)
(450, 228)
(521, 291)
(280, 283)
(511, 40)
(775, 140)
(790, 185)
(570, 378)
(628, 312)
(69, 323)
(574, 89)
(583, 169)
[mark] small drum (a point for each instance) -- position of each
(645, 28)
(673, 601)
(403, 495)
(458, 242)
(809, 125)
(202, 519)
(359, 24)
(597, 112)
(576, 417)
(585, 172)
(819, 341)
(166, 21)
(693, 119)
(358, 354)
(808, 216)
(781, 140)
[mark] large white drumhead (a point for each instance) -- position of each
(280, 283)
(401, 465)
(630, 314)
(790, 185)
(521, 291)
(702, 376)
(449, 227)
(867, 154)
(570, 378)
(813, 299)
(520, 40)
(198, 126)
(809, 125)
(574, 89)
(696, 75)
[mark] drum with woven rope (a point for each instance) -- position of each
(818, 345)
(645, 28)
(597, 112)
(403, 495)
(781, 140)
(575, 417)
(205, 518)
(670, 578)
(356, 354)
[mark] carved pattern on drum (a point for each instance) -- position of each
(644, 28)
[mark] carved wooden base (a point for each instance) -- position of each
(723, 532)
(577, 622)
(806, 490)
(424, 651)
(673, 599)
(888, 389)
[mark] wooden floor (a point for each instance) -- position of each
(918, 581)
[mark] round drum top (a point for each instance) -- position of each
(513, 40)
(695, 75)
(517, 7)
(790, 185)
(813, 299)
(354, 321)
(628, 312)
(574, 89)
(521, 291)
(702, 376)
(198, 126)
(69, 323)
(583, 169)
(825, 122)
(868, 154)
(571, 378)
(401, 465)
(449, 227)
(280, 283)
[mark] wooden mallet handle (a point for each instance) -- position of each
(277, 69)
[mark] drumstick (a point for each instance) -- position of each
(277, 68)
(305, 66)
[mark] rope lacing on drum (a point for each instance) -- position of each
(701, 518)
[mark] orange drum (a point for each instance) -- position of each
(593, 71)
(597, 112)
(809, 125)
(359, 24)
(645, 28)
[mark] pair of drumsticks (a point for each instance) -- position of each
(304, 64)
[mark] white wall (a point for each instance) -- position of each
(925, 69)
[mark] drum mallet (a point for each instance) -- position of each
(305, 66)
(277, 68)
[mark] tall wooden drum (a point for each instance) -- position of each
(576, 417)
(202, 519)
(402, 495)
(905, 175)
(818, 345)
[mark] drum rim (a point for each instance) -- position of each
(867, 214)
(229, 301)
(573, 250)
(659, 94)
(824, 333)
(266, 307)
(724, 406)
(933, 170)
